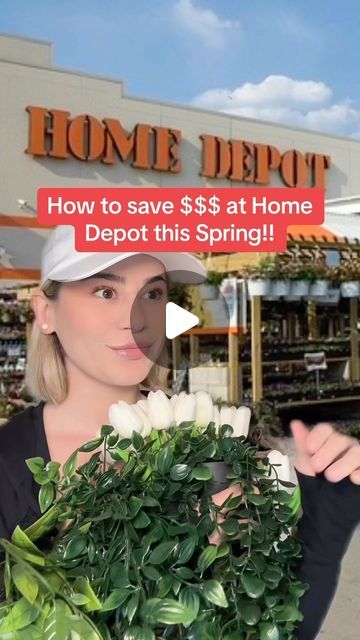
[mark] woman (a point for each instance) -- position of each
(98, 335)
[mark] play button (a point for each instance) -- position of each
(163, 311)
(178, 320)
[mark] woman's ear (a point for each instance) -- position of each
(42, 309)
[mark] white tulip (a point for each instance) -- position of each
(142, 403)
(124, 419)
(204, 410)
(147, 426)
(159, 410)
(216, 418)
(184, 408)
(282, 471)
(174, 397)
(241, 422)
(227, 415)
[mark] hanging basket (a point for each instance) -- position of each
(280, 288)
(258, 287)
(299, 288)
(319, 288)
(332, 297)
(350, 289)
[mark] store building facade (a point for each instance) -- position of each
(61, 128)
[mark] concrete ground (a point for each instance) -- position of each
(343, 619)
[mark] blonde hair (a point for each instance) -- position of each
(46, 376)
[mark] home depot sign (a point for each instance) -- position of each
(55, 134)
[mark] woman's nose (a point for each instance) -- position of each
(131, 314)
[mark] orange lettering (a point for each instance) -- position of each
(116, 136)
(318, 164)
(53, 134)
(293, 168)
(216, 157)
(242, 161)
(267, 158)
(86, 138)
(166, 150)
(142, 147)
(208, 156)
(47, 132)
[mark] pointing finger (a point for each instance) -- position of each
(318, 436)
(300, 433)
(336, 445)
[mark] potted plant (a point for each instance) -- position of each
(209, 289)
(132, 556)
(275, 270)
(332, 297)
(347, 276)
(301, 275)
(318, 275)
(260, 276)
(279, 276)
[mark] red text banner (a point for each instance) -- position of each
(181, 219)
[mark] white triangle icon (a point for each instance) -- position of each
(178, 320)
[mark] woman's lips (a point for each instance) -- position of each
(133, 353)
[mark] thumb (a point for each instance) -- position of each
(302, 461)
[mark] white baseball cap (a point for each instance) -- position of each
(63, 263)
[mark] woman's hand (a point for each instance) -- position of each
(325, 450)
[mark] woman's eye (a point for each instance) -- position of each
(155, 294)
(107, 291)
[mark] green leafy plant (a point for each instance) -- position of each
(179, 294)
(267, 268)
(271, 268)
(302, 271)
(305, 270)
(266, 423)
(347, 271)
(131, 558)
(279, 268)
(215, 278)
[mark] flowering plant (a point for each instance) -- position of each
(268, 268)
(144, 552)
(347, 271)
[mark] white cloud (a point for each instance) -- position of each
(280, 90)
(203, 23)
(300, 103)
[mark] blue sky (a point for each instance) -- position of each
(281, 60)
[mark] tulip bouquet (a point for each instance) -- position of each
(138, 547)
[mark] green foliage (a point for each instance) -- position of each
(265, 422)
(215, 278)
(132, 558)
(179, 294)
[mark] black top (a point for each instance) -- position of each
(331, 512)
